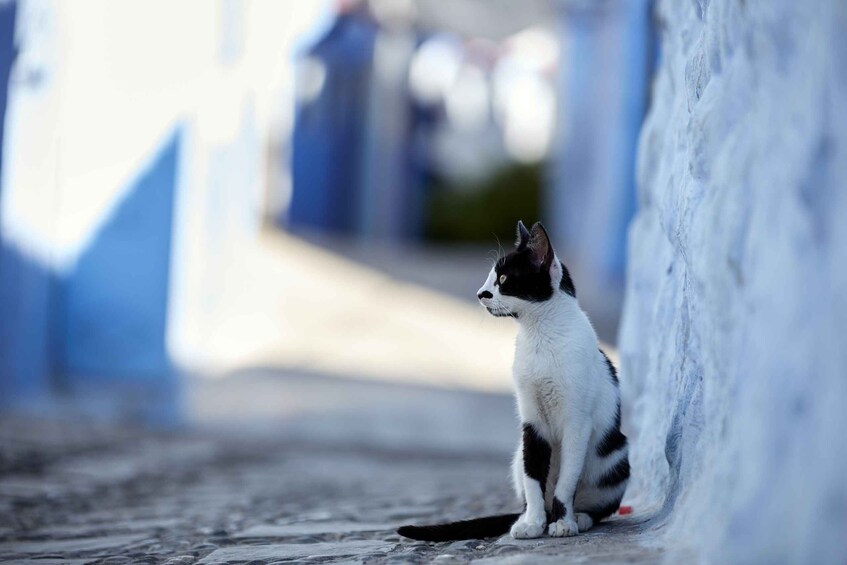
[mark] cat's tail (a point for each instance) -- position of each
(488, 527)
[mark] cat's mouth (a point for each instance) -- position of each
(500, 312)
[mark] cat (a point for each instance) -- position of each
(571, 467)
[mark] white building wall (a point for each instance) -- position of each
(732, 341)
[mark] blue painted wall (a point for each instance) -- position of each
(95, 336)
(25, 286)
(25, 339)
(112, 306)
(8, 52)
(329, 130)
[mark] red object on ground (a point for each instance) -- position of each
(624, 510)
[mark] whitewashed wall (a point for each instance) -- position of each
(733, 338)
(98, 89)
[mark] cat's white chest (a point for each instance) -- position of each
(540, 383)
(538, 359)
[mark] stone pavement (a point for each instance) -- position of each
(87, 493)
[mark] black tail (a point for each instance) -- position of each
(488, 527)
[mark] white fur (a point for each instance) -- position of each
(563, 388)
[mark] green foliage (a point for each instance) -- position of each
(480, 211)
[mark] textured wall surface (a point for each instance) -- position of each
(733, 338)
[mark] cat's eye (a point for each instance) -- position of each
(502, 279)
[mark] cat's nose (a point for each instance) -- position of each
(484, 294)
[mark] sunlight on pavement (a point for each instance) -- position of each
(289, 304)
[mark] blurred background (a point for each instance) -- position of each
(234, 217)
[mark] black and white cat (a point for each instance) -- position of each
(571, 467)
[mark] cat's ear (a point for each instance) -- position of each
(539, 244)
(523, 236)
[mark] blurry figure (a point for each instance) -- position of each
(353, 162)
(391, 205)
(333, 88)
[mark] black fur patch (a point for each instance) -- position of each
(536, 455)
(566, 284)
(601, 512)
(524, 278)
(612, 371)
(614, 439)
(616, 475)
(557, 510)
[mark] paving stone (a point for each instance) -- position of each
(98, 529)
(17, 487)
(407, 512)
(270, 531)
(297, 550)
(181, 560)
(449, 558)
(522, 559)
(510, 541)
(40, 561)
(462, 545)
(69, 546)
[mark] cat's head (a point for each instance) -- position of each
(530, 274)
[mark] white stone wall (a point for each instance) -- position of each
(734, 337)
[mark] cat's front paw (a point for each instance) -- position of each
(564, 527)
(525, 528)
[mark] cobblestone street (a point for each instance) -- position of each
(87, 494)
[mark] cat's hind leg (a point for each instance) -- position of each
(584, 521)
